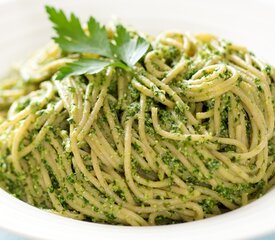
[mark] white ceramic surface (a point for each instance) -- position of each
(24, 27)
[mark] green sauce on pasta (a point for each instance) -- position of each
(189, 136)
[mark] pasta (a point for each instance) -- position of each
(189, 136)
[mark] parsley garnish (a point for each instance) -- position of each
(128, 49)
(123, 52)
(87, 66)
(72, 38)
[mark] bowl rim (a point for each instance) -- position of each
(19, 217)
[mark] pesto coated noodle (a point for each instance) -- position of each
(189, 136)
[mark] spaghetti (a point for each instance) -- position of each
(189, 136)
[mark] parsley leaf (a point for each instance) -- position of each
(72, 38)
(87, 66)
(123, 51)
(128, 49)
(82, 66)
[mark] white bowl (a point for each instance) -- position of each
(24, 27)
